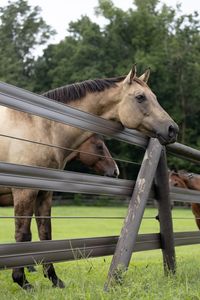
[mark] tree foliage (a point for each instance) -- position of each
(21, 31)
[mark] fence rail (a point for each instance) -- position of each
(67, 181)
(29, 253)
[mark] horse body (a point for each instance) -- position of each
(94, 154)
(126, 99)
(34, 128)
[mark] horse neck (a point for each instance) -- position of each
(69, 138)
(103, 104)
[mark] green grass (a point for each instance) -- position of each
(84, 279)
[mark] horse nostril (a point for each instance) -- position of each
(116, 173)
(172, 131)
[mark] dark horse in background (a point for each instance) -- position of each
(93, 153)
(187, 180)
(126, 99)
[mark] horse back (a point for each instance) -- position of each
(15, 124)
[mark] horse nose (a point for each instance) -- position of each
(173, 131)
(116, 173)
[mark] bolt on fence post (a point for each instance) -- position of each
(134, 216)
(164, 213)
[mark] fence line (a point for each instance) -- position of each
(90, 217)
(67, 217)
(62, 181)
(22, 254)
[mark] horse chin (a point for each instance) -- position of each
(163, 141)
(146, 131)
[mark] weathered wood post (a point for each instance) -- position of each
(134, 216)
(164, 213)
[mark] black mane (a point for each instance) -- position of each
(78, 90)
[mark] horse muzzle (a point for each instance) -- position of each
(112, 173)
(169, 135)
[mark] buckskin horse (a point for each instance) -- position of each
(187, 180)
(126, 99)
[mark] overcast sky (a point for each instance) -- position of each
(58, 13)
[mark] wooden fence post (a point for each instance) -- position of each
(134, 216)
(165, 217)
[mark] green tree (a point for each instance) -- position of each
(77, 57)
(21, 31)
(185, 73)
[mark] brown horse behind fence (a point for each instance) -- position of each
(125, 99)
(187, 180)
(93, 153)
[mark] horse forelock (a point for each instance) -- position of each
(140, 82)
(78, 90)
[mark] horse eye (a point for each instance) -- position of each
(140, 98)
(99, 147)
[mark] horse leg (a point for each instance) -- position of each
(196, 211)
(24, 200)
(43, 208)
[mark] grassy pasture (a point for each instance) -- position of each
(84, 279)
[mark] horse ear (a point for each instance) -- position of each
(144, 77)
(131, 75)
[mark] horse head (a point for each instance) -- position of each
(95, 155)
(175, 179)
(139, 109)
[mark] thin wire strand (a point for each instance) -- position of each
(90, 217)
(68, 149)
(185, 218)
(68, 217)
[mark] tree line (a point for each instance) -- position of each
(148, 33)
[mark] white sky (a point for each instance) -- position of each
(60, 12)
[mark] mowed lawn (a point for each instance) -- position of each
(84, 279)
